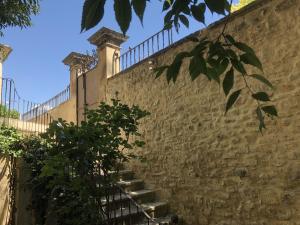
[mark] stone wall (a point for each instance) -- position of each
(66, 110)
(4, 190)
(216, 169)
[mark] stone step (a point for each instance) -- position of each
(131, 185)
(123, 174)
(156, 209)
(157, 221)
(140, 196)
(134, 214)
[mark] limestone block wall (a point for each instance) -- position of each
(195, 156)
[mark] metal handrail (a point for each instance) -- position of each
(140, 209)
(48, 105)
(145, 49)
(14, 110)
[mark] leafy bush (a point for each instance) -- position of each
(5, 112)
(9, 137)
(71, 164)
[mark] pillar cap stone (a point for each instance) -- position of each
(75, 58)
(5, 50)
(107, 36)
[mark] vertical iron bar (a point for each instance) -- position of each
(148, 47)
(152, 44)
(23, 114)
(157, 39)
(35, 111)
(143, 50)
(163, 37)
(130, 57)
(4, 107)
(121, 205)
(139, 52)
(129, 211)
(9, 101)
(134, 53)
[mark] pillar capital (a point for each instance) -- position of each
(106, 36)
(5, 50)
(74, 59)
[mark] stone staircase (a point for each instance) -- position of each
(133, 204)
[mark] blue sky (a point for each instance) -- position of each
(36, 61)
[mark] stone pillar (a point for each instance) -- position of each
(74, 60)
(4, 52)
(108, 44)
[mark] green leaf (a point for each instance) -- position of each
(139, 7)
(92, 13)
(261, 119)
(251, 59)
(167, 19)
(199, 48)
(270, 109)
(230, 38)
(218, 6)
(243, 47)
(184, 20)
(222, 67)
(198, 12)
(174, 68)
(232, 99)
(212, 74)
(231, 54)
(262, 79)
(167, 4)
(159, 71)
(261, 96)
(238, 66)
(197, 66)
(123, 14)
(228, 81)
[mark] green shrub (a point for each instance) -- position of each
(5, 112)
(9, 138)
(66, 162)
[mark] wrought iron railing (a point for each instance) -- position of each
(24, 115)
(48, 105)
(121, 208)
(115, 205)
(150, 46)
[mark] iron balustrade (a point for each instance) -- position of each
(115, 205)
(48, 105)
(150, 46)
(15, 111)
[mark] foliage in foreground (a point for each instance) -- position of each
(8, 113)
(17, 13)
(219, 59)
(9, 137)
(71, 164)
